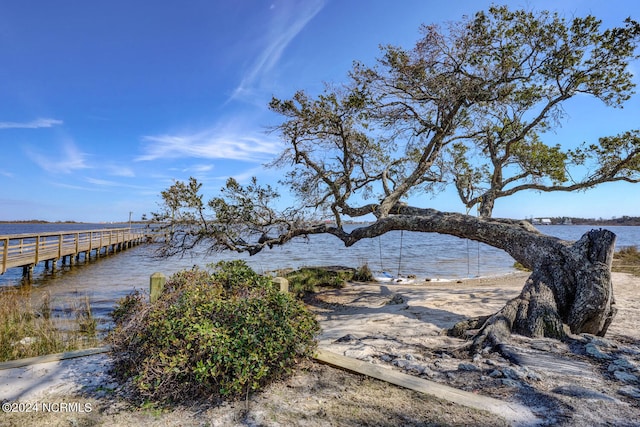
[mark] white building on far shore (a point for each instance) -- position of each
(541, 221)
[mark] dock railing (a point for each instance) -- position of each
(27, 250)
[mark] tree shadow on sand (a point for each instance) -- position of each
(338, 303)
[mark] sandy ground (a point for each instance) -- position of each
(584, 381)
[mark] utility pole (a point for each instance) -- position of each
(130, 219)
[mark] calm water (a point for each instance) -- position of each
(423, 254)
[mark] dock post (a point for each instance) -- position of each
(5, 255)
(284, 284)
(156, 285)
(27, 271)
(37, 250)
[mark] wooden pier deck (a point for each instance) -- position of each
(27, 250)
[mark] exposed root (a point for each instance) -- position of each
(568, 288)
(461, 328)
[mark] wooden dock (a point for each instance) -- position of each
(27, 250)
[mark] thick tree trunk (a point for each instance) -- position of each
(487, 202)
(569, 287)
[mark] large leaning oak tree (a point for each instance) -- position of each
(468, 107)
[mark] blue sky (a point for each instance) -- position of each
(104, 104)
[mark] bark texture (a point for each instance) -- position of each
(569, 285)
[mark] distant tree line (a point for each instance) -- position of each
(37, 221)
(623, 220)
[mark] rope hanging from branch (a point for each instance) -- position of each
(469, 253)
(380, 248)
(400, 255)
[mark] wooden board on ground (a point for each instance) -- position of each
(52, 357)
(513, 412)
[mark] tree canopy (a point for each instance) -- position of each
(467, 106)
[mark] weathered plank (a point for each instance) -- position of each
(53, 357)
(514, 413)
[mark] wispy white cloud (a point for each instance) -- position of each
(199, 168)
(211, 144)
(110, 183)
(70, 159)
(286, 21)
(244, 176)
(99, 185)
(102, 182)
(33, 124)
(77, 187)
(119, 170)
(7, 174)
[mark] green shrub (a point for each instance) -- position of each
(629, 254)
(363, 274)
(126, 307)
(627, 260)
(307, 279)
(219, 335)
(518, 266)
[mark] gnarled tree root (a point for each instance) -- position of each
(569, 290)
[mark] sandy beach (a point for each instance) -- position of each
(591, 380)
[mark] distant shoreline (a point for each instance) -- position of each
(621, 221)
(38, 221)
(624, 220)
